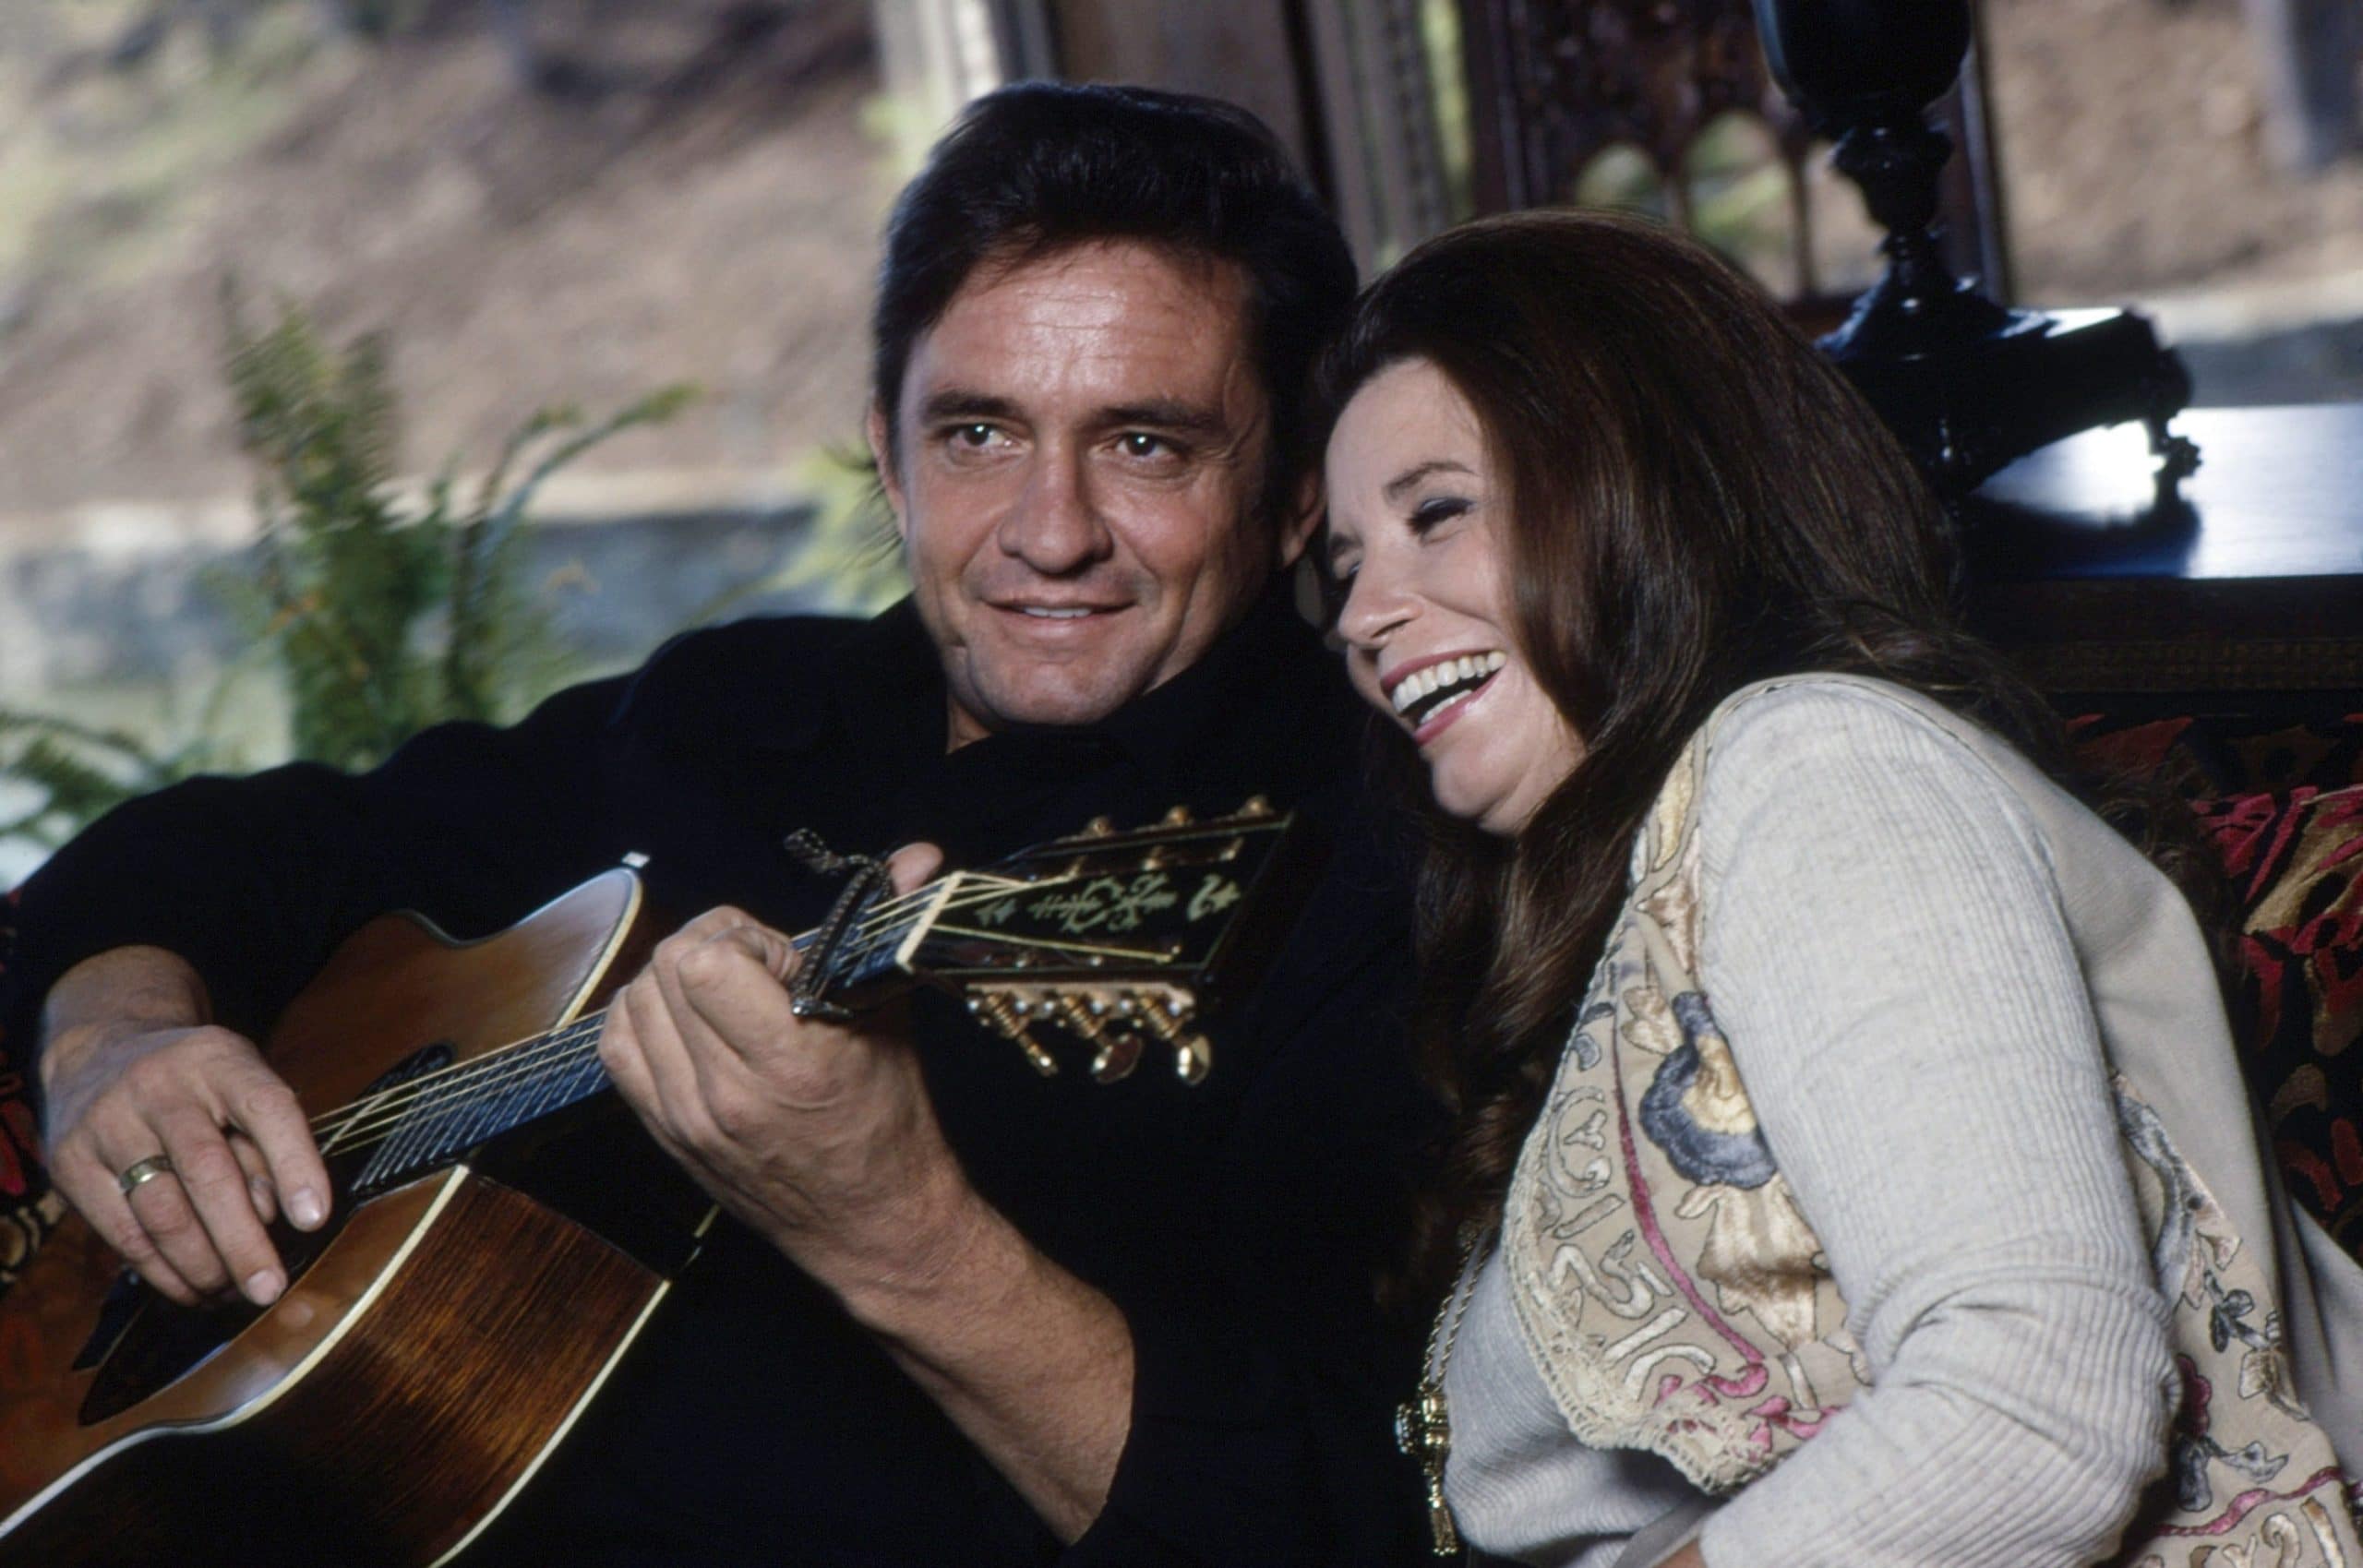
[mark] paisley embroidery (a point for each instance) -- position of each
(1674, 1298)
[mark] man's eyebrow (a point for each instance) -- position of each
(954, 402)
(1168, 414)
(1409, 480)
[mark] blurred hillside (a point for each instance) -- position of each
(582, 198)
(681, 190)
(2132, 138)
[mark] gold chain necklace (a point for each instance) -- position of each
(1422, 1429)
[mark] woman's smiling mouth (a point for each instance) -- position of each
(1421, 695)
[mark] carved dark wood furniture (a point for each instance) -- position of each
(2247, 583)
(1554, 83)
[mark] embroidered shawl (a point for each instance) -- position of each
(1674, 1298)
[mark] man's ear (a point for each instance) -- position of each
(881, 452)
(1304, 519)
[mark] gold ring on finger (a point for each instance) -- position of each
(138, 1171)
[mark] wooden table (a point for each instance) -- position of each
(2249, 580)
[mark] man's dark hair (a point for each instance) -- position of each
(1035, 168)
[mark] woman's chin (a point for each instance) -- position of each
(1485, 811)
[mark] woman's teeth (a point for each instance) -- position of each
(1421, 694)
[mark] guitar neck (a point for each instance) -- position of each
(432, 1109)
(1113, 938)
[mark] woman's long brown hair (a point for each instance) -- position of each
(1696, 500)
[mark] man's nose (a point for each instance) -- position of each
(1054, 525)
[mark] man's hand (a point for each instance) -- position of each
(822, 1139)
(131, 1070)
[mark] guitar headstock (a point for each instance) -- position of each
(1117, 938)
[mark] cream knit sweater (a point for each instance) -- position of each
(1926, 956)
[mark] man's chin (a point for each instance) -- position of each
(1057, 702)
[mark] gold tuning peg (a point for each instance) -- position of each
(1160, 1015)
(996, 1010)
(1256, 808)
(1178, 818)
(1166, 1016)
(1093, 1019)
(1099, 827)
(1119, 1052)
(1194, 1058)
(1085, 1018)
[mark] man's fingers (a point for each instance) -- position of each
(266, 1110)
(672, 1081)
(258, 1183)
(730, 990)
(913, 865)
(619, 1053)
(91, 1187)
(206, 1222)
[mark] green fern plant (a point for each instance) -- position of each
(385, 620)
(380, 615)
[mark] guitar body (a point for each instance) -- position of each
(424, 1359)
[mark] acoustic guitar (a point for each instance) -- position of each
(482, 1273)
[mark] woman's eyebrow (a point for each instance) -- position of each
(1403, 483)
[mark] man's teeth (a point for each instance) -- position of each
(1443, 680)
(1054, 614)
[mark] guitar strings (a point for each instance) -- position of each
(411, 1090)
(479, 1078)
(494, 1071)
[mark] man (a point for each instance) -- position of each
(964, 1316)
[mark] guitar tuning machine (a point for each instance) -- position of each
(1167, 1016)
(1005, 1016)
(1107, 1025)
(1194, 1058)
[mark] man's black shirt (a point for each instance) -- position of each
(1238, 1225)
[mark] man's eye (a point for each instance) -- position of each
(1140, 444)
(974, 435)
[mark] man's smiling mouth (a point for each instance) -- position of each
(1418, 696)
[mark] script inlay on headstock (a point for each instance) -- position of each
(1117, 937)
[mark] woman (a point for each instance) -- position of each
(1850, 1164)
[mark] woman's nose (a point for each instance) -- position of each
(1374, 607)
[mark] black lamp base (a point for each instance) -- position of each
(1970, 396)
(1968, 386)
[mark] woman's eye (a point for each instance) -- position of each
(1436, 510)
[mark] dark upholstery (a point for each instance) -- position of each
(29, 1210)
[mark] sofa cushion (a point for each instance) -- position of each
(2297, 861)
(29, 1209)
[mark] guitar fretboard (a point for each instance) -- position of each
(428, 1113)
(420, 1123)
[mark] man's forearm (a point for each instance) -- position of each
(1034, 1366)
(91, 1003)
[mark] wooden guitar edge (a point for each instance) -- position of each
(331, 1366)
(347, 1319)
(590, 1392)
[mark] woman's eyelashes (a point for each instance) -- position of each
(1436, 510)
